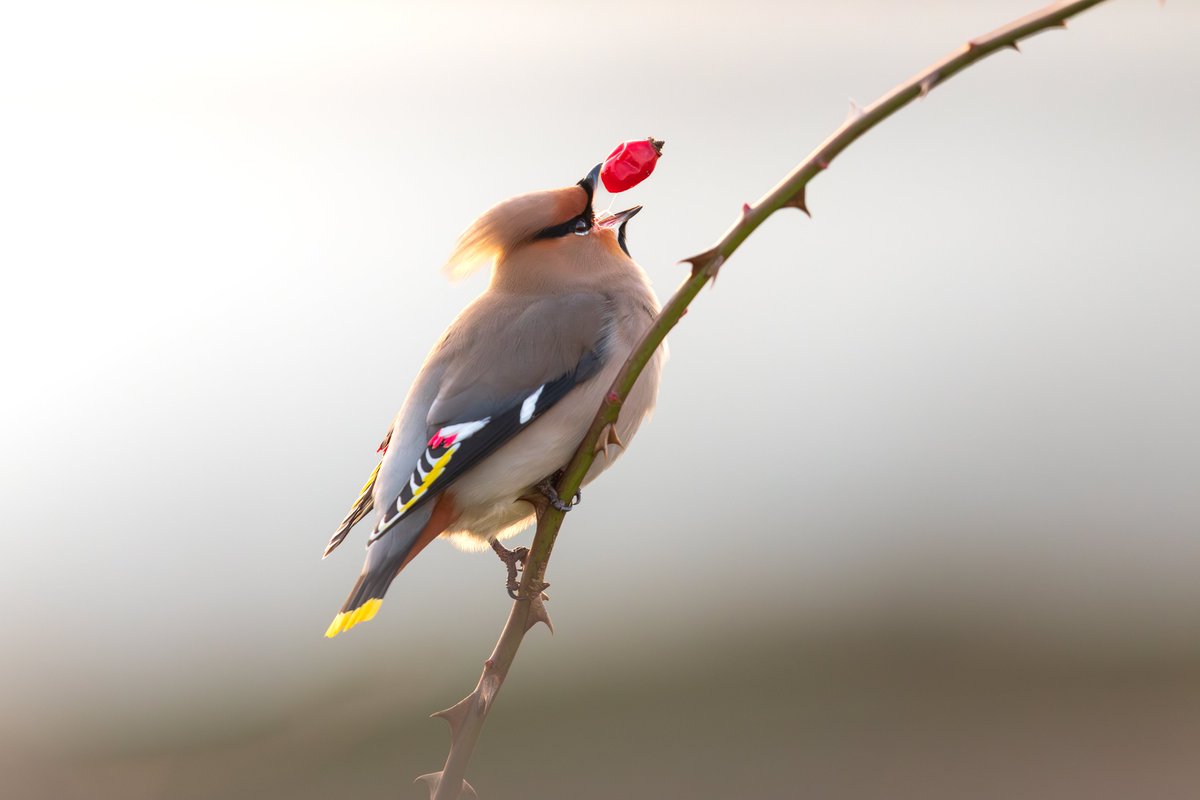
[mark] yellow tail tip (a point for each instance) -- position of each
(348, 619)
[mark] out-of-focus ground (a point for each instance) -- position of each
(918, 515)
(889, 712)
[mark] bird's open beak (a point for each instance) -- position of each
(618, 219)
(591, 181)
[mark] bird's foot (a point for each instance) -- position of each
(546, 487)
(514, 560)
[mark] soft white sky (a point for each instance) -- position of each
(971, 376)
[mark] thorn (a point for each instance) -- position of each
(745, 209)
(928, 84)
(707, 263)
(456, 714)
(614, 438)
(537, 611)
(433, 780)
(971, 44)
(1062, 23)
(608, 436)
(1014, 46)
(798, 201)
(855, 111)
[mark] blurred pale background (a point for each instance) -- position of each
(918, 514)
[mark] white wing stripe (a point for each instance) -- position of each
(463, 430)
(530, 405)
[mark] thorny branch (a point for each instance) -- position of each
(466, 718)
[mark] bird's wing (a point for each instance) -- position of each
(503, 363)
(362, 504)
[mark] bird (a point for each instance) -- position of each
(510, 388)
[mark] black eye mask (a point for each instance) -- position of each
(573, 225)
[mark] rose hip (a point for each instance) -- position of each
(630, 164)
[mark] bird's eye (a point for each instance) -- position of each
(582, 227)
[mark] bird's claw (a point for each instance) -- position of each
(514, 560)
(551, 494)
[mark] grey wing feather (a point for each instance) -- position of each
(519, 345)
(503, 363)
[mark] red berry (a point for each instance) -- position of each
(630, 164)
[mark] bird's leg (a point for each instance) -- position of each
(546, 487)
(515, 561)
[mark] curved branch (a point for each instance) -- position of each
(467, 717)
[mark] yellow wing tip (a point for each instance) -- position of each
(370, 481)
(348, 619)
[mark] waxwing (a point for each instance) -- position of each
(509, 390)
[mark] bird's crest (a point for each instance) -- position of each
(511, 223)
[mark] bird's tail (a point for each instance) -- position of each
(363, 602)
(385, 558)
